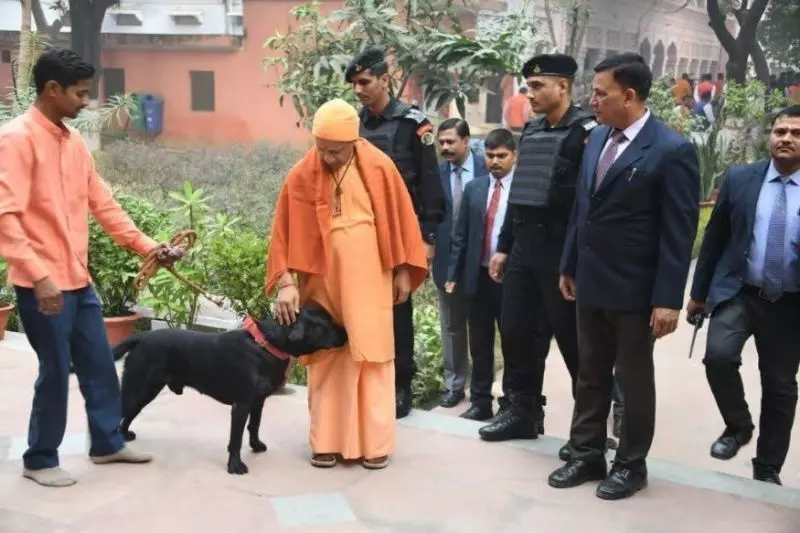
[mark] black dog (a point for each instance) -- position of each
(240, 368)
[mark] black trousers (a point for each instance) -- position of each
(614, 343)
(533, 312)
(484, 318)
(776, 331)
(404, 364)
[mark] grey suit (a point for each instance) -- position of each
(453, 308)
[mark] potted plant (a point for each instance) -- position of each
(6, 299)
(113, 268)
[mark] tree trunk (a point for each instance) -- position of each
(25, 49)
(87, 21)
(550, 26)
(52, 31)
(758, 56)
(760, 64)
(740, 48)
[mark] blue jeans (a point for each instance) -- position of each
(76, 334)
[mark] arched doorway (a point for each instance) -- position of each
(645, 51)
(658, 60)
(672, 60)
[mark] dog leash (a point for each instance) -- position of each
(185, 240)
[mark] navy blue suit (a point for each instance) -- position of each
(629, 244)
(738, 311)
(484, 295)
(722, 263)
(466, 251)
(628, 249)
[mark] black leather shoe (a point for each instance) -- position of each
(728, 445)
(402, 400)
(765, 473)
(564, 453)
(622, 483)
(578, 472)
(451, 398)
(510, 424)
(478, 412)
(616, 427)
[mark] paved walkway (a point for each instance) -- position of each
(443, 479)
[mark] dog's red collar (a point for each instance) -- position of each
(252, 328)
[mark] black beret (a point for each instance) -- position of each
(550, 65)
(365, 59)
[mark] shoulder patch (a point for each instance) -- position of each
(425, 128)
(589, 125)
(425, 133)
(417, 115)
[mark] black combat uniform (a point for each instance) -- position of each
(405, 134)
(540, 203)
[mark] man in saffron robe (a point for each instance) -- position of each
(345, 237)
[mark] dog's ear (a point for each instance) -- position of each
(298, 331)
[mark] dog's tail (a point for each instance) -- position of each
(121, 349)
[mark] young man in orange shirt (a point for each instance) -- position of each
(48, 189)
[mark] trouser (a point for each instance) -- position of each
(76, 334)
(533, 312)
(404, 364)
(484, 318)
(453, 311)
(776, 331)
(621, 343)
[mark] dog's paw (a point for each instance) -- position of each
(236, 466)
(258, 446)
(129, 435)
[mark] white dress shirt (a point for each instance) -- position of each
(630, 134)
(500, 215)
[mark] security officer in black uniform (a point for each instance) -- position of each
(405, 134)
(530, 245)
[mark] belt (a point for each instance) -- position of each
(754, 290)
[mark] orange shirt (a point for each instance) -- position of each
(518, 111)
(682, 89)
(48, 188)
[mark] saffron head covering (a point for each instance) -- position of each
(336, 120)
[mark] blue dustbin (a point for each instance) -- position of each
(153, 107)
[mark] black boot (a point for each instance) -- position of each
(517, 421)
(403, 400)
(478, 411)
(766, 473)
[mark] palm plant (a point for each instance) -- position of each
(119, 109)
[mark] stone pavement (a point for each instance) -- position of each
(442, 479)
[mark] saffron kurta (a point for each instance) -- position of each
(351, 390)
(345, 263)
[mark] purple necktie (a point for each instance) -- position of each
(773, 273)
(607, 159)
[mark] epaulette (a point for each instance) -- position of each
(589, 124)
(415, 114)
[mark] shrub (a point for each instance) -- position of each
(236, 263)
(112, 267)
(705, 214)
(245, 180)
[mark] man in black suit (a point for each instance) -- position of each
(460, 166)
(475, 237)
(625, 263)
(748, 280)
